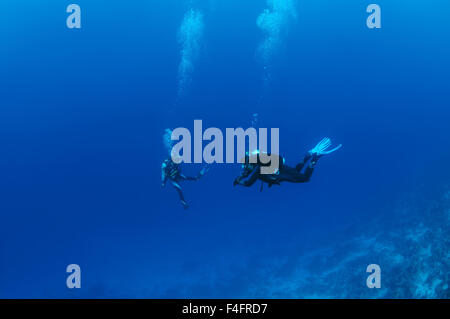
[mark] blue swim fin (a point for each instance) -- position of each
(321, 148)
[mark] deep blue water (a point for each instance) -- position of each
(82, 116)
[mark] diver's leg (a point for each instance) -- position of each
(292, 175)
(306, 176)
(300, 165)
(180, 193)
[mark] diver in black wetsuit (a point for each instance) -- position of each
(285, 173)
(172, 171)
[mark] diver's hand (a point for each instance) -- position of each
(202, 172)
(235, 182)
(163, 184)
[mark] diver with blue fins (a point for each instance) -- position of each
(251, 169)
(172, 172)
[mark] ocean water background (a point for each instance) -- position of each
(83, 113)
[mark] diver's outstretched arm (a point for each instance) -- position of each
(188, 178)
(249, 182)
(244, 174)
(202, 172)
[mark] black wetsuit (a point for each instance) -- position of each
(172, 171)
(285, 173)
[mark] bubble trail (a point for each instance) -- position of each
(167, 140)
(190, 36)
(274, 22)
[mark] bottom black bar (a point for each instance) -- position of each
(228, 308)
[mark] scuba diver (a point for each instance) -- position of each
(172, 171)
(284, 173)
